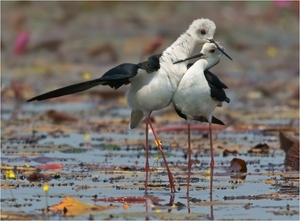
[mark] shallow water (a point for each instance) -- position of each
(112, 171)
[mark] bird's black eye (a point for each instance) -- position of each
(203, 32)
(212, 51)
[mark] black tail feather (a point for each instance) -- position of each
(75, 88)
(115, 78)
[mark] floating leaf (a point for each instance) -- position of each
(261, 148)
(73, 207)
(42, 159)
(290, 146)
(59, 117)
(237, 165)
(52, 166)
(130, 199)
(38, 177)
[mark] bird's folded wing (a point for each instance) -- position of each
(151, 65)
(213, 79)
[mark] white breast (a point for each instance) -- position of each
(154, 91)
(193, 93)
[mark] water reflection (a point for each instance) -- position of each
(151, 205)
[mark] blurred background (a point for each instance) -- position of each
(46, 45)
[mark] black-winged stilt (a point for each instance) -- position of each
(199, 93)
(153, 82)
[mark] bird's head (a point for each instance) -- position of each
(212, 52)
(212, 45)
(202, 29)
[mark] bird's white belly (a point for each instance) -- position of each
(149, 92)
(194, 99)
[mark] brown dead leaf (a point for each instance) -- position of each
(261, 148)
(60, 117)
(38, 177)
(238, 165)
(290, 146)
(73, 207)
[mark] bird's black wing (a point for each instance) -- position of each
(214, 120)
(213, 79)
(120, 75)
(216, 86)
(114, 78)
(179, 113)
(218, 93)
(151, 65)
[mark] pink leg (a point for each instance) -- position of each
(189, 159)
(211, 207)
(147, 158)
(163, 156)
(212, 162)
(188, 202)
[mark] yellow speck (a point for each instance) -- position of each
(272, 52)
(126, 206)
(26, 165)
(10, 174)
(207, 172)
(174, 206)
(86, 76)
(156, 158)
(158, 211)
(46, 188)
(158, 142)
(87, 136)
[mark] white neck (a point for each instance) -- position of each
(201, 64)
(181, 48)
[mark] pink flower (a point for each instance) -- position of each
(282, 3)
(21, 42)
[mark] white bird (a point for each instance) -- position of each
(153, 82)
(199, 93)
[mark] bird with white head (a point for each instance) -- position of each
(152, 83)
(199, 93)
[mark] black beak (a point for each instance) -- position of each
(213, 41)
(194, 56)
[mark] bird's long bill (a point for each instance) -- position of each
(194, 56)
(220, 49)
